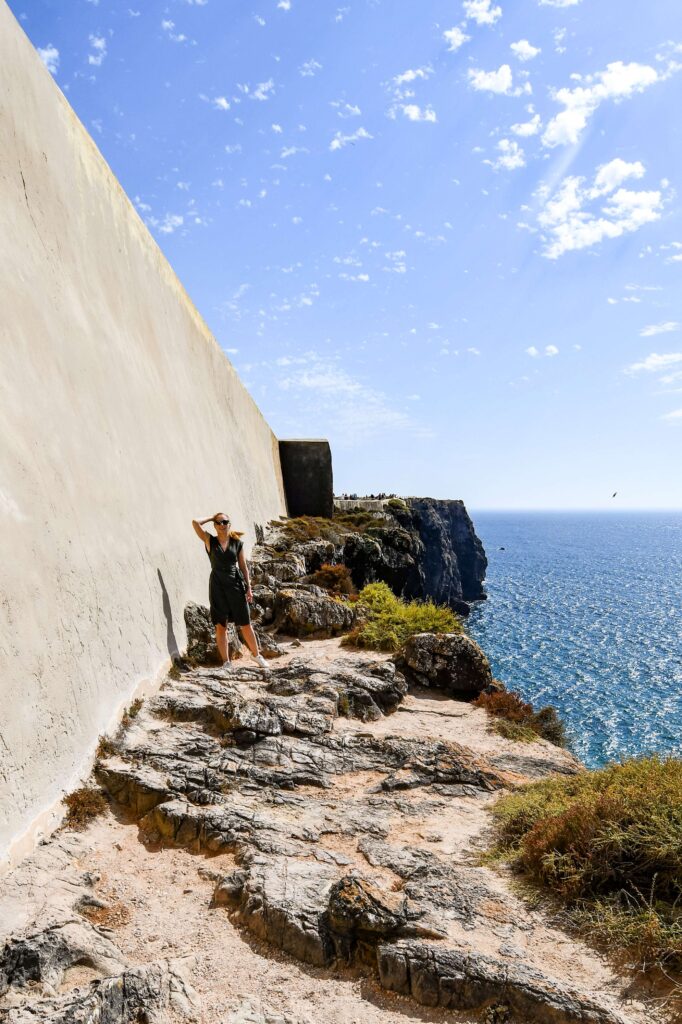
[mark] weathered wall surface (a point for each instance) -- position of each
(120, 420)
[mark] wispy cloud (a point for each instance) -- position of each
(346, 409)
(309, 68)
(655, 363)
(665, 328)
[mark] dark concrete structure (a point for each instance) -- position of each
(308, 479)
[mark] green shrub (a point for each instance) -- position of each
(517, 720)
(609, 844)
(390, 621)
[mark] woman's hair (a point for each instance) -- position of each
(233, 534)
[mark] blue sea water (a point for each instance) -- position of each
(584, 612)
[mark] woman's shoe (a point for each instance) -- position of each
(260, 661)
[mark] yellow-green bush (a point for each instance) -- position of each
(390, 621)
(609, 843)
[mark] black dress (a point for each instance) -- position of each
(226, 587)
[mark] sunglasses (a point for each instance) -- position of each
(222, 522)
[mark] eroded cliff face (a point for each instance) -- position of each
(453, 564)
(421, 547)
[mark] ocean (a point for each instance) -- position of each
(584, 612)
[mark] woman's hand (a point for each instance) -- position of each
(249, 595)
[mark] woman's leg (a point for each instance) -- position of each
(249, 638)
(221, 642)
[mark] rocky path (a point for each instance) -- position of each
(293, 846)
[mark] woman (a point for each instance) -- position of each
(229, 585)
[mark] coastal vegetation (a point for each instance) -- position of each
(515, 719)
(388, 621)
(608, 844)
(304, 528)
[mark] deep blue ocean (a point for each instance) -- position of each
(584, 612)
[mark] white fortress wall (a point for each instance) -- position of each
(120, 420)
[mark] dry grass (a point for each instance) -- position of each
(334, 578)
(517, 720)
(82, 806)
(390, 621)
(608, 844)
(303, 528)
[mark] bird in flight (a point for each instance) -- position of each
(614, 494)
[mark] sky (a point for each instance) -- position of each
(447, 236)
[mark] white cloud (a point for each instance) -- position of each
(551, 350)
(99, 45)
(221, 103)
(50, 57)
(527, 128)
(277, 129)
(412, 74)
(292, 151)
(618, 82)
(345, 110)
(559, 3)
(500, 81)
(309, 68)
(510, 158)
(284, 5)
(569, 224)
(654, 363)
(524, 50)
(170, 223)
(340, 140)
(175, 37)
(263, 90)
(455, 37)
(482, 11)
(532, 351)
(413, 112)
(664, 328)
(613, 174)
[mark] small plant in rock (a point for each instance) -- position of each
(517, 720)
(132, 711)
(389, 621)
(82, 806)
(334, 578)
(105, 747)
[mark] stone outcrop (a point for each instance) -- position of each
(451, 662)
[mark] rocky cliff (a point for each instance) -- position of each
(421, 547)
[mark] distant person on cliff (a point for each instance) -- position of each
(229, 587)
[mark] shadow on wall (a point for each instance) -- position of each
(172, 643)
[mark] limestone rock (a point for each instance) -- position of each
(311, 612)
(451, 662)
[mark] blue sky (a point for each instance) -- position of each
(445, 235)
